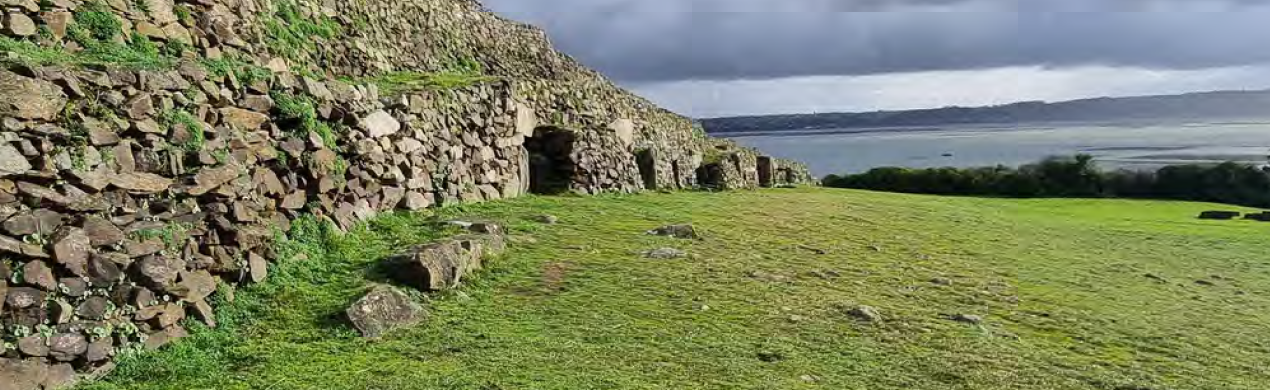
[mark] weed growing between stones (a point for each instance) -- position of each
(242, 70)
(95, 23)
(398, 83)
(301, 111)
(197, 137)
(171, 235)
(288, 33)
(97, 29)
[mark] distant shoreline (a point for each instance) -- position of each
(987, 127)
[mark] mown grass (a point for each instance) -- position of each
(1062, 286)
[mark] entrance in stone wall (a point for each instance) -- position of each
(551, 165)
(674, 170)
(766, 176)
(647, 168)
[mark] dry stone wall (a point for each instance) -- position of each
(152, 150)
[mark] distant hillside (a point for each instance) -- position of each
(1188, 107)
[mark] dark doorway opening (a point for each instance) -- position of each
(647, 168)
(765, 174)
(551, 165)
(710, 176)
(674, 170)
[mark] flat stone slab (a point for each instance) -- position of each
(382, 310)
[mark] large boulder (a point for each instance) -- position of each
(433, 267)
(383, 309)
(485, 245)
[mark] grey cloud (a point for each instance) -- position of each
(640, 41)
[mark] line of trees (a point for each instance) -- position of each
(1076, 176)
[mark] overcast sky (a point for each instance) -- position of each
(734, 57)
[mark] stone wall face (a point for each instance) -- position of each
(129, 191)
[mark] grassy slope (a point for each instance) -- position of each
(1060, 283)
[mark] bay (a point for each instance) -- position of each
(1113, 146)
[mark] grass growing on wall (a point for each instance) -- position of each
(301, 111)
(99, 32)
(198, 139)
(398, 83)
(1075, 294)
(291, 34)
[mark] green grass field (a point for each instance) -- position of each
(1062, 286)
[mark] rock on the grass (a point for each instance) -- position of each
(486, 227)
(433, 267)
(967, 319)
(684, 231)
(665, 254)
(1220, 215)
(383, 309)
(1260, 217)
(490, 244)
(865, 313)
(547, 219)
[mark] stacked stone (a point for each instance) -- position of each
(434, 148)
(732, 167)
(128, 196)
(604, 163)
(98, 251)
(791, 173)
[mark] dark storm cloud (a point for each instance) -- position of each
(669, 40)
